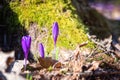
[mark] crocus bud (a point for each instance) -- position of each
(55, 32)
(41, 50)
(26, 42)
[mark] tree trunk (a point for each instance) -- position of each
(97, 24)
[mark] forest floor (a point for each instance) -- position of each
(82, 64)
(98, 65)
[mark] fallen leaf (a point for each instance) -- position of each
(34, 66)
(57, 65)
(9, 61)
(46, 62)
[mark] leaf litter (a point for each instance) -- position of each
(79, 66)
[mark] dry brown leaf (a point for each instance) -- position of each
(46, 62)
(4, 61)
(34, 66)
(9, 61)
(57, 65)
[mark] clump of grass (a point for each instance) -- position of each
(44, 13)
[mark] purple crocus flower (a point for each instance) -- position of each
(55, 32)
(26, 42)
(41, 50)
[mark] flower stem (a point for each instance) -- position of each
(54, 52)
(25, 62)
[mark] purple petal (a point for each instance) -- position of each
(24, 47)
(55, 31)
(41, 50)
(26, 42)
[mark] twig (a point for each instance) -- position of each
(83, 44)
(93, 52)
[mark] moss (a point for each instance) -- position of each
(45, 12)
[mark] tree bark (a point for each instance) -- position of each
(97, 24)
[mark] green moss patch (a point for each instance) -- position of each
(45, 12)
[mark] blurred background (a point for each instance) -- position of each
(76, 19)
